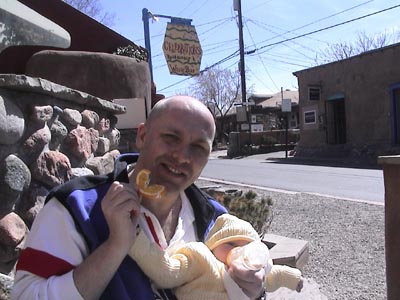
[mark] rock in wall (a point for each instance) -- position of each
(48, 134)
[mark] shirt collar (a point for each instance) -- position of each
(185, 229)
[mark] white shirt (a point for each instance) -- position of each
(54, 232)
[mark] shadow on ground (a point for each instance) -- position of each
(339, 163)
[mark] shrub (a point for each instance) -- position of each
(133, 51)
(269, 140)
(247, 206)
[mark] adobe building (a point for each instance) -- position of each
(272, 109)
(351, 107)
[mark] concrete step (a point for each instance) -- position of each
(287, 251)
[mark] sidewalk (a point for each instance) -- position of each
(280, 157)
(310, 291)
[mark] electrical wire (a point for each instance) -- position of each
(262, 61)
(229, 57)
(262, 25)
(328, 27)
(236, 53)
(257, 6)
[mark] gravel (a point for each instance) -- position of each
(346, 245)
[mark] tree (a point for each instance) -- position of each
(219, 89)
(93, 9)
(364, 42)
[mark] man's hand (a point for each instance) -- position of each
(300, 285)
(121, 207)
(251, 282)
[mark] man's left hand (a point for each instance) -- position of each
(251, 282)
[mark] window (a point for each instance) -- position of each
(310, 117)
(314, 93)
(292, 124)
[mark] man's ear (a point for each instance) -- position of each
(141, 133)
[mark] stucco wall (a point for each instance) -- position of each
(365, 81)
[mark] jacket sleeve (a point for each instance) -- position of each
(52, 250)
(167, 271)
(282, 276)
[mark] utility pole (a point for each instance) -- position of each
(238, 7)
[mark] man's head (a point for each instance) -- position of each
(175, 142)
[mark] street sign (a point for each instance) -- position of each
(286, 105)
(241, 114)
(182, 49)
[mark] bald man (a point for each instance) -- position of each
(78, 244)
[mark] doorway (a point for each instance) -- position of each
(336, 121)
(395, 93)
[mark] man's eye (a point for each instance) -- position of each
(200, 148)
(171, 137)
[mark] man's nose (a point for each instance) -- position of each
(182, 153)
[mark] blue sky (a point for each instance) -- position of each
(265, 22)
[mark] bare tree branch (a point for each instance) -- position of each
(219, 89)
(342, 50)
(93, 9)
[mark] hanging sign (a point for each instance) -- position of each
(182, 49)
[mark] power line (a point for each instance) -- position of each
(311, 23)
(294, 59)
(262, 61)
(263, 26)
(257, 6)
(216, 26)
(261, 81)
(328, 27)
(215, 21)
(229, 57)
(330, 16)
(232, 55)
(187, 6)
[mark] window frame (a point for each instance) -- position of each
(314, 112)
(316, 89)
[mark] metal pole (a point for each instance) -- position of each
(286, 126)
(146, 15)
(287, 134)
(145, 18)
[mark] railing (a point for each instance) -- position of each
(245, 143)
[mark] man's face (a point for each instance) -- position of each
(175, 147)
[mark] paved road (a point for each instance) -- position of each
(258, 170)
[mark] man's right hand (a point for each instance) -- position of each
(121, 208)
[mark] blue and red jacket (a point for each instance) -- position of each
(82, 198)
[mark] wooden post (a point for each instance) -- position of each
(391, 173)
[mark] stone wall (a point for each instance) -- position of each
(48, 134)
